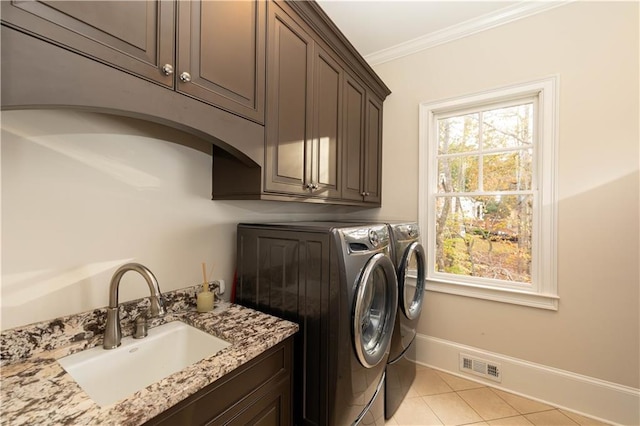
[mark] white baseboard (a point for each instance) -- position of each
(588, 396)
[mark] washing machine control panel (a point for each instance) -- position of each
(410, 231)
(364, 239)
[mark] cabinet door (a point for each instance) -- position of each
(135, 36)
(271, 410)
(327, 125)
(373, 151)
(257, 392)
(221, 47)
(354, 113)
(288, 116)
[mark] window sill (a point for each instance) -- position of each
(515, 297)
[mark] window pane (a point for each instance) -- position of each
(509, 127)
(459, 174)
(458, 134)
(488, 236)
(511, 171)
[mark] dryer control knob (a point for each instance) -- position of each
(374, 239)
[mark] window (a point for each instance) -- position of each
(487, 194)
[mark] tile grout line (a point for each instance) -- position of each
(533, 412)
(496, 392)
(469, 405)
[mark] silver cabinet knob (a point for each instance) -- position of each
(167, 69)
(314, 186)
(185, 77)
(309, 186)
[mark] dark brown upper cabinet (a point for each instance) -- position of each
(220, 44)
(372, 159)
(304, 103)
(354, 132)
(135, 36)
(294, 113)
(221, 54)
(289, 105)
(325, 174)
(362, 153)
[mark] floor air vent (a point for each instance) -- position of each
(480, 367)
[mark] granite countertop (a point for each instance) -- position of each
(36, 390)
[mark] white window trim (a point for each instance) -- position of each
(543, 292)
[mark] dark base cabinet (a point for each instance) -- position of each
(289, 278)
(257, 393)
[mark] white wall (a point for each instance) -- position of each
(84, 193)
(593, 48)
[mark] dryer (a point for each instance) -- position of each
(410, 261)
(338, 282)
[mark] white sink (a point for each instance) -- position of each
(110, 375)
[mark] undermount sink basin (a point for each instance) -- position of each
(108, 376)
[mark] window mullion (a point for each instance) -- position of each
(480, 149)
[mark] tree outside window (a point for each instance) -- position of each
(484, 199)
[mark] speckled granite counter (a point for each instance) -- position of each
(37, 391)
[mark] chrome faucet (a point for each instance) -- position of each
(112, 333)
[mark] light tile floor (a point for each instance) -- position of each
(438, 398)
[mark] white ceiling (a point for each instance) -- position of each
(385, 29)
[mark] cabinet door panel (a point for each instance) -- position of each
(373, 151)
(221, 45)
(289, 105)
(134, 36)
(327, 125)
(258, 392)
(354, 109)
(271, 410)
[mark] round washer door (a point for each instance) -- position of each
(374, 310)
(411, 280)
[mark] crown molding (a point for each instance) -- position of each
(464, 29)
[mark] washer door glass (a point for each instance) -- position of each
(374, 310)
(411, 278)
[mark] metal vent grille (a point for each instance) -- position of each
(480, 367)
(467, 363)
(492, 370)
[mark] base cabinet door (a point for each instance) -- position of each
(258, 392)
(270, 410)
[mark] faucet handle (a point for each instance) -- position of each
(141, 326)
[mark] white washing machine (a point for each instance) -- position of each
(338, 282)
